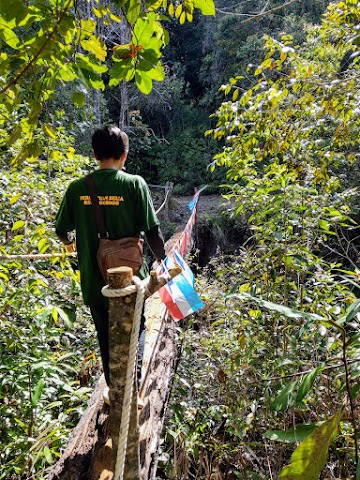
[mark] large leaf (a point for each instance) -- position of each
(13, 12)
(37, 392)
(157, 73)
(207, 7)
(309, 458)
(132, 9)
(307, 383)
(286, 397)
(143, 81)
(95, 46)
(292, 435)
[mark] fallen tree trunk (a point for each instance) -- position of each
(89, 453)
(77, 457)
(156, 391)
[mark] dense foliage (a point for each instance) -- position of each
(48, 44)
(48, 346)
(277, 350)
(277, 346)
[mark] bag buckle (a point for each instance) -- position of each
(103, 235)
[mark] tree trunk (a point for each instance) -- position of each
(96, 106)
(125, 37)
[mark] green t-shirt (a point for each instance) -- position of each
(128, 210)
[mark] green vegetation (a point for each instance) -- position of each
(277, 349)
(268, 386)
(47, 358)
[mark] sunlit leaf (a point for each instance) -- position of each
(292, 435)
(309, 458)
(133, 8)
(37, 392)
(143, 82)
(307, 383)
(207, 7)
(18, 224)
(49, 130)
(15, 198)
(96, 47)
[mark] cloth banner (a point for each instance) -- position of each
(179, 294)
(192, 204)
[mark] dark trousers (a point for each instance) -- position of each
(100, 316)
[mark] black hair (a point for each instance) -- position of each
(109, 142)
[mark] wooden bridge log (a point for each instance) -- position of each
(90, 454)
(155, 390)
(121, 317)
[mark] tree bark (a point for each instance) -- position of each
(125, 37)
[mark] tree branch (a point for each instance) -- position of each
(38, 53)
(263, 14)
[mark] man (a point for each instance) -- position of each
(128, 211)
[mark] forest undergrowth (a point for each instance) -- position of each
(253, 383)
(269, 383)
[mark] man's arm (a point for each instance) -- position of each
(156, 242)
(64, 224)
(65, 238)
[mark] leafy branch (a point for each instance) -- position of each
(15, 80)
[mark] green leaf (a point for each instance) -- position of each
(37, 392)
(91, 79)
(87, 26)
(157, 73)
(18, 224)
(309, 459)
(13, 13)
(41, 243)
(78, 99)
(286, 397)
(292, 435)
(207, 7)
(96, 47)
(307, 383)
(148, 59)
(54, 314)
(353, 310)
(48, 455)
(49, 131)
(15, 198)
(133, 8)
(144, 30)
(9, 37)
(119, 71)
(84, 62)
(324, 225)
(143, 81)
(286, 311)
(64, 316)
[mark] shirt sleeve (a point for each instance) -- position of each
(64, 221)
(156, 242)
(146, 216)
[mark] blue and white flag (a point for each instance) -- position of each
(179, 294)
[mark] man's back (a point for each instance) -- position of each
(127, 208)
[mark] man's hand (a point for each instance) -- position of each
(70, 248)
(156, 265)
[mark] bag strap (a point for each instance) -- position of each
(98, 213)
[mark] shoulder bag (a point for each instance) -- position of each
(127, 251)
